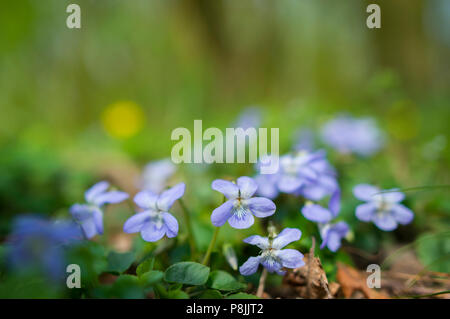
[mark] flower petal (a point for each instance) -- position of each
(171, 224)
(112, 197)
(341, 228)
(333, 241)
(291, 258)
(89, 228)
(392, 196)
(365, 212)
(98, 220)
(261, 207)
(250, 266)
(81, 212)
(266, 186)
(261, 242)
(241, 222)
(402, 214)
(316, 213)
(334, 205)
(135, 223)
(229, 189)
(365, 192)
(385, 222)
(289, 184)
(150, 232)
(287, 236)
(95, 190)
(168, 197)
(146, 199)
(247, 186)
(272, 265)
(221, 214)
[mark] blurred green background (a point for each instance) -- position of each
(80, 105)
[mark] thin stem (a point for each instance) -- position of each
(262, 282)
(210, 247)
(190, 233)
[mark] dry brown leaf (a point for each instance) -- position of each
(297, 278)
(351, 281)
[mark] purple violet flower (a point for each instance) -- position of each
(331, 233)
(90, 215)
(240, 207)
(384, 209)
(39, 243)
(352, 135)
(272, 256)
(155, 221)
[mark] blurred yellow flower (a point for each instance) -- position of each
(123, 119)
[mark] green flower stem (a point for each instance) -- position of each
(213, 242)
(190, 233)
(211, 247)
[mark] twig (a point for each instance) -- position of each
(310, 258)
(262, 281)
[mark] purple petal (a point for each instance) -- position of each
(289, 184)
(272, 265)
(333, 241)
(221, 214)
(247, 186)
(287, 236)
(402, 214)
(89, 228)
(365, 212)
(229, 189)
(171, 224)
(95, 190)
(168, 197)
(308, 173)
(365, 192)
(250, 266)
(385, 222)
(241, 222)
(393, 197)
(112, 197)
(81, 212)
(334, 204)
(261, 242)
(150, 232)
(341, 228)
(291, 258)
(266, 186)
(135, 223)
(146, 199)
(98, 220)
(261, 207)
(316, 213)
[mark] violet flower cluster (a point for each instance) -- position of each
(352, 135)
(302, 173)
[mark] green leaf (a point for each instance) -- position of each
(119, 262)
(222, 280)
(177, 294)
(127, 287)
(210, 294)
(151, 277)
(188, 273)
(433, 250)
(145, 266)
(241, 295)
